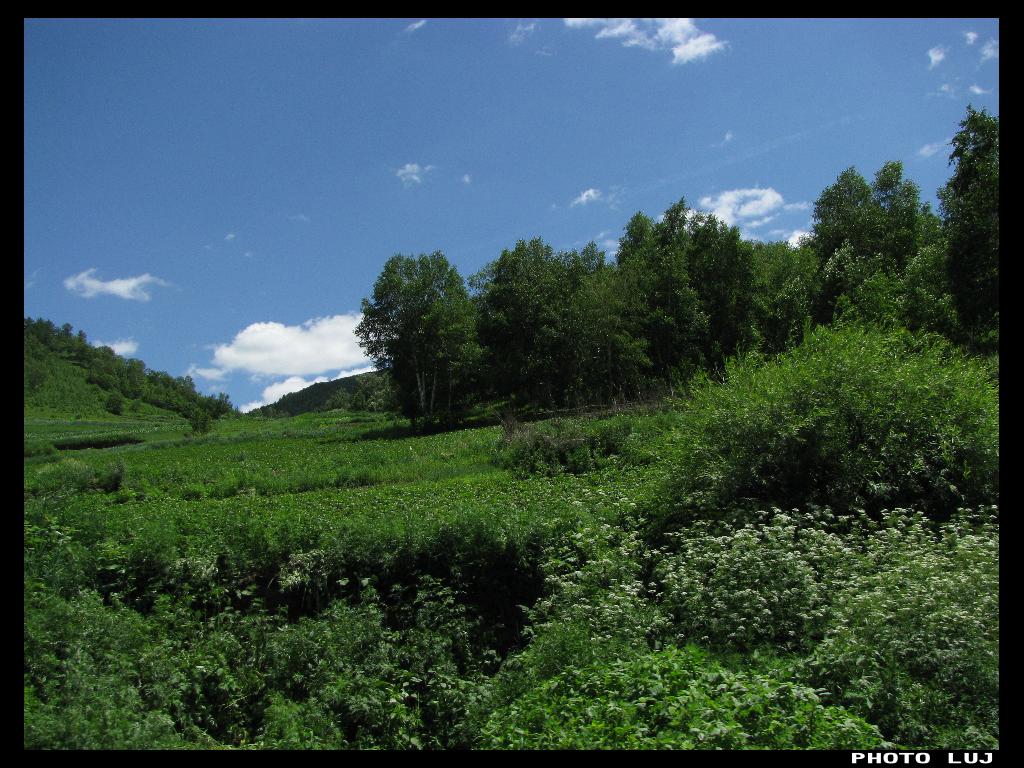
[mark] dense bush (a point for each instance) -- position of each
(912, 640)
(853, 418)
(580, 445)
(768, 583)
(675, 698)
(82, 687)
(362, 677)
(71, 476)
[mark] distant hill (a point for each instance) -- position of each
(363, 392)
(67, 377)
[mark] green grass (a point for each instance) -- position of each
(271, 457)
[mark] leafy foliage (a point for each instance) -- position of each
(970, 210)
(676, 698)
(851, 419)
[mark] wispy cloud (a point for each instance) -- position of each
(935, 56)
(212, 374)
(522, 31)
(466, 178)
(930, 149)
(747, 207)
(413, 173)
(680, 36)
(298, 217)
(274, 349)
(725, 140)
(803, 205)
(132, 288)
(123, 347)
(990, 50)
(977, 90)
(230, 236)
(970, 37)
(586, 196)
(414, 26)
(947, 89)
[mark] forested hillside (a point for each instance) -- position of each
(369, 391)
(66, 376)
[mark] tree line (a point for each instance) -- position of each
(537, 328)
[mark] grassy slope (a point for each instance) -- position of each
(299, 511)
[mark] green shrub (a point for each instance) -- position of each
(912, 641)
(560, 445)
(66, 476)
(115, 403)
(39, 448)
(852, 418)
(347, 679)
(82, 689)
(597, 607)
(676, 698)
(769, 583)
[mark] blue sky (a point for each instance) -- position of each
(216, 197)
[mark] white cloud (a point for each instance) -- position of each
(990, 50)
(970, 37)
(415, 25)
(274, 349)
(123, 347)
(277, 390)
(132, 288)
(935, 56)
(586, 196)
(680, 36)
(466, 178)
(212, 374)
(299, 217)
(740, 205)
(930, 149)
(760, 222)
(947, 89)
(230, 236)
(977, 90)
(521, 32)
(803, 205)
(274, 392)
(796, 236)
(413, 173)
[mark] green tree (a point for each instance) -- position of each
(536, 328)
(659, 294)
(420, 326)
(720, 269)
(784, 286)
(970, 213)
